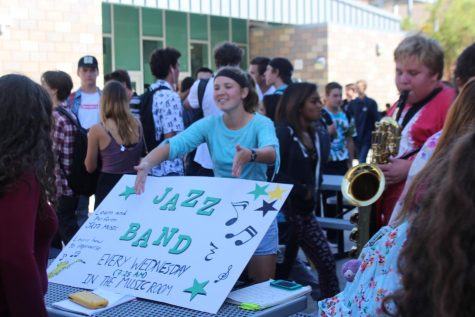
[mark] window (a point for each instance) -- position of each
(148, 46)
(199, 56)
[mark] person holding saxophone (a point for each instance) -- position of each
(419, 68)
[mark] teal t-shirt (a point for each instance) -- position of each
(257, 133)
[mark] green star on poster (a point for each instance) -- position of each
(258, 191)
(197, 288)
(128, 191)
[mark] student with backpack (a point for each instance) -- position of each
(190, 115)
(117, 139)
(278, 74)
(58, 84)
(161, 110)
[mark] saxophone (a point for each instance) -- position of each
(364, 183)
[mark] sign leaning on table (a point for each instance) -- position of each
(184, 241)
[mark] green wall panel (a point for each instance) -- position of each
(245, 55)
(148, 46)
(106, 18)
(239, 30)
(152, 22)
(107, 54)
(198, 27)
(127, 37)
(219, 30)
(177, 35)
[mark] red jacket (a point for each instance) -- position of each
(426, 122)
(25, 238)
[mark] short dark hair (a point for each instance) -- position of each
(161, 60)
(227, 54)
(261, 63)
(330, 86)
(285, 68)
(203, 70)
(60, 81)
(121, 76)
(186, 83)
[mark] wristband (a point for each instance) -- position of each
(253, 155)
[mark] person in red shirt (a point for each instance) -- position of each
(27, 194)
(419, 68)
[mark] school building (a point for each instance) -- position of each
(326, 40)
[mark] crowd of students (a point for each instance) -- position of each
(282, 132)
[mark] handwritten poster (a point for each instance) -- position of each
(185, 241)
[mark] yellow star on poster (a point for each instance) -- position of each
(128, 191)
(276, 193)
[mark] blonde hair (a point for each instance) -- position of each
(115, 106)
(425, 49)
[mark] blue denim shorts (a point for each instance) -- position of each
(270, 243)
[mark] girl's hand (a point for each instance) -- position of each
(142, 170)
(242, 157)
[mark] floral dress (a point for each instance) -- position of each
(377, 275)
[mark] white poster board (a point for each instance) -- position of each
(185, 241)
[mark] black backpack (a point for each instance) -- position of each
(146, 118)
(270, 104)
(79, 180)
(192, 115)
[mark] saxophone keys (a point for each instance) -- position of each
(354, 234)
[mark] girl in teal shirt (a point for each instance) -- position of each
(242, 144)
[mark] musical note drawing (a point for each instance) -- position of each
(62, 257)
(249, 230)
(213, 247)
(241, 204)
(223, 276)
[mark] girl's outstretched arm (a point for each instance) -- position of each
(157, 156)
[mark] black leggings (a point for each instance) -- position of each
(305, 232)
(67, 218)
